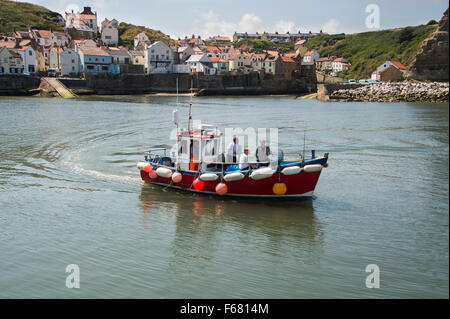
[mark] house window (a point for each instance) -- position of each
(96, 59)
(73, 68)
(30, 53)
(73, 61)
(108, 37)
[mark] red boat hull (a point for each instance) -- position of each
(298, 185)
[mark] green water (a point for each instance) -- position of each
(70, 193)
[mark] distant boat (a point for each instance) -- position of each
(197, 167)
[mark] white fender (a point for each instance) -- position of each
(209, 177)
(262, 173)
(141, 165)
(312, 168)
(291, 170)
(164, 172)
(233, 177)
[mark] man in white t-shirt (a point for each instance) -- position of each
(243, 161)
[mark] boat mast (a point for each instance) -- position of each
(190, 111)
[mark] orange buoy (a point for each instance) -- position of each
(177, 177)
(148, 168)
(279, 188)
(153, 174)
(198, 184)
(221, 188)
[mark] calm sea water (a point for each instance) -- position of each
(70, 193)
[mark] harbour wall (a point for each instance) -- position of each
(302, 81)
(19, 84)
(325, 90)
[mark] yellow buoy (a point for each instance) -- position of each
(279, 188)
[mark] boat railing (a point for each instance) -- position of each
(153, 150)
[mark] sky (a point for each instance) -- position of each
(206, 18)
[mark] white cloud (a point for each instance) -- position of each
(331, 26)
(285, 26)
(249, 23)
(209, 24)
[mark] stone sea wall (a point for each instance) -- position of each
(409, 91)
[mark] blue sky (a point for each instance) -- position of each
(208, 17)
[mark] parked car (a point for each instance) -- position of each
(51, 72)
(373, 81)
(352, 81)
(364, 82)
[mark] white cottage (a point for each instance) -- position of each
(110, 33)
(158, 58)
(69, 62)
(140, 37)
(201, 63)
(28, 56)
(311, 56)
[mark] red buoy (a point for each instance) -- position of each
(148, 168)
(198, 184)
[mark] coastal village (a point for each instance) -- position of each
(85, 48)
(89, 49)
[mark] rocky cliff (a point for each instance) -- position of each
(431, 62)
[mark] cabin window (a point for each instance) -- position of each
(104, 68)
(183, 147)
(90, 67)
(195, 152)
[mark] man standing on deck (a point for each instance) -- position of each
(262, 153)
(234, 150)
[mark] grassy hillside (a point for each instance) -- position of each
(258, 45)
(127, 32)
(367, 50)
(21, 15)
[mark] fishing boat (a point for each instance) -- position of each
(196, 165)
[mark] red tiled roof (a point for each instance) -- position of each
(44, 33)
(338, 60)
(309, 53)
(222, 38)
(234, 56)
(86, 16)
(287, 59)
(7, 44)
(399, 65)
(214, 59)
(300, 42)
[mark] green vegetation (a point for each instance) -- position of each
(21, 15)
(127, 33)
(368, 50)
(258, 45)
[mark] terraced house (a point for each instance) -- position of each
(95, 61)
(10, 62)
